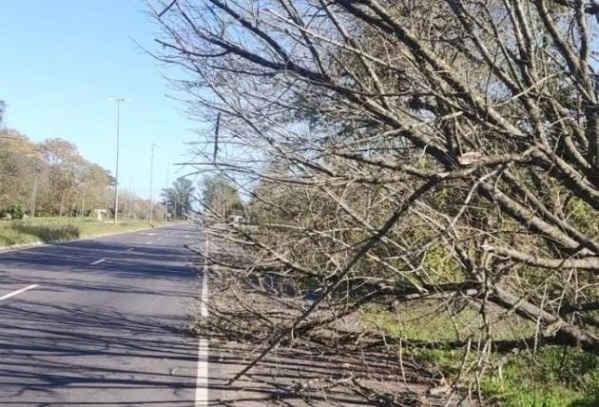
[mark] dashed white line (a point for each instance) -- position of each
(204, 304)
(97, 262)
(150, 242)
(22, 290)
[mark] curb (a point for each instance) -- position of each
(18, 247)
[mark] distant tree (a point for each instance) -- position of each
(179, 197)
(96, 186)
(57, 151)
(64, 174)
(2, 110)
(17, 166)
(15, 211)
(220, 197)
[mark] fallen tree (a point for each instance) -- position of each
(394, 151)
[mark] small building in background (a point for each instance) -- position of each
(100, 214)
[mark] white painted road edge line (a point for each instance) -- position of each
(97, 262)
(203, 350)
(202, 379)
(22, 290)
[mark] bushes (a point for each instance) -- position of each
(47, 230)
(48, 233)
(16, 211)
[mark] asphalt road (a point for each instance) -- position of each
(102, 322)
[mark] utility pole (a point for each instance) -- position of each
(116, 173)
(175, 214)
(166, 218)
(151, 182)
(129, 201)
(83, 203)
(34, 192)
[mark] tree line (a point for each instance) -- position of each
(51, 178)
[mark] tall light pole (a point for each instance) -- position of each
(116, 172)
(129, 193)
(166, 218)
(151, 181)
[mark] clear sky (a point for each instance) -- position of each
(60, 62)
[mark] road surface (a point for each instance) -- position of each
(100, 322)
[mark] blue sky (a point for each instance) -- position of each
(63, 59)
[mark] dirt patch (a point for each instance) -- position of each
(300, 377)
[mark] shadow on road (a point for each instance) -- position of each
(62, 355)
(113, 333)
(124, 261)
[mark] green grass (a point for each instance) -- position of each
(47, 230)
(432, 321)
(552, 377)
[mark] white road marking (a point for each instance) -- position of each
(150, 242)
(131, 249)
(202, 377)
(204, 307)
(97, 262)
(22, 290)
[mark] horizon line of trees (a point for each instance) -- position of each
(214, 196)
(52, 178)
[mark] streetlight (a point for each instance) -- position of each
(166, 199)
(116, 173)
(151, 180)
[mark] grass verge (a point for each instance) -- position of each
(549, 376)
(48, 230)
